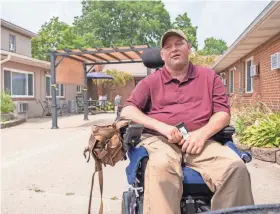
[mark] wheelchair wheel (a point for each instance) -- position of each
(126, 200)
(253, 209)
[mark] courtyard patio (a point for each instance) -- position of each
(44, 170)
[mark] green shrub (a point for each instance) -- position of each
(109, 106)
(120, 78)
(265, 132)
(247, 116)
(7, 105)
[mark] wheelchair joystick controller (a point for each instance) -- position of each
(132, 135)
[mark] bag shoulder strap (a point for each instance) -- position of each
(98, 168)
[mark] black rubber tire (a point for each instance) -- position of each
(126, 199)
(251, 209)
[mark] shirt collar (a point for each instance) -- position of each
(190, 75)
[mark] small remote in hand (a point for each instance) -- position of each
(183, 129)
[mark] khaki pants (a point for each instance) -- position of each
(221, 168)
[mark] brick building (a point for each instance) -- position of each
(250, 68)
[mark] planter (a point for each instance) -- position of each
(265, 154)
(11, 123)
(6, 116)
(278, 157)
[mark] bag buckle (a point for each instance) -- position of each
(135, 190)
(101, 154)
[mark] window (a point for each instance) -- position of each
(248, 78)
(79, 89)
(19, 83)
(59, 91)
(231, 81)
(12, 43)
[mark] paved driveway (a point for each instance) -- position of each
(44, 171)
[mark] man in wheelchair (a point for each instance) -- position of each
(183, 92)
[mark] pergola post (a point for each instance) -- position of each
(53, 87)
(85, 93)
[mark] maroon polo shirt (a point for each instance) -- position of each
(192, 101)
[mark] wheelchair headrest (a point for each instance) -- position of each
(151, 58)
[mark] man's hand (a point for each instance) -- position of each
(194, 143)
(171, 132)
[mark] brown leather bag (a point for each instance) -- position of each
(106, 147)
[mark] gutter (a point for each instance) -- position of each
(254, 24)
(6, 60)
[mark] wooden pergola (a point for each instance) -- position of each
(71, 67)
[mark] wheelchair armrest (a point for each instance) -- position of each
(228, 130)
(225, 134)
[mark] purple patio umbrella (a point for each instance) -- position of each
(98, 75)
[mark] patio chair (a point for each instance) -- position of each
(65, 105)
(45, 106)
(61, 105)
(93, 106)
(80, 103)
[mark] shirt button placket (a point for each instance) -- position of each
(179, 94)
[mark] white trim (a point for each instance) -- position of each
(79, 91)
(231, 71)
(23, 72)
(15, 57)
(247, 60)
(59, 85)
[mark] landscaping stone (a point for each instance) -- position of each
(265, 154)
(278, 157)
(11, 123)
(6, 116)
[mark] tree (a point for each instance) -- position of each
(213, 46)
(123, 22)
(183, 22)
(120, 78)
(55, 35)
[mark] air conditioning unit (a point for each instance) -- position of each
(253, 70)
(22, 107)
(275, 61)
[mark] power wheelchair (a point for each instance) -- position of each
(196, 194)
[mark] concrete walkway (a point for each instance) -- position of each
(44, 170)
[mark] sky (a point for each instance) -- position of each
(220, 19)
